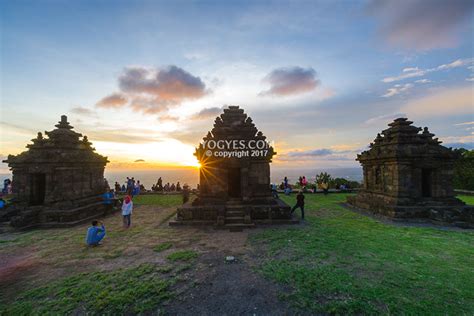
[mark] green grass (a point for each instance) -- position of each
(182, 255)
(468, 199)
(343, 262)
(163, 246)
(124, 291)
(159, 199)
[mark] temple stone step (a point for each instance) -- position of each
(238, 227)
(234, 219)
(234, 213)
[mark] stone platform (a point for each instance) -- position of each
(234, 214)
(84, 210)
(446, 211)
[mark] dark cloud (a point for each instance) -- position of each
(114, 100)
(155, 90)
(290, 81)
(421, 24)
(171, 84)
(139, 160)
(207, 113)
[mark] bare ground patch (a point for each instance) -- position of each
(206, 284)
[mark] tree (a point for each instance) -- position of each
(464, 170)
(323, 177)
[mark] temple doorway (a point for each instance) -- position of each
(426, 182)
(38, 188)
(234, 184)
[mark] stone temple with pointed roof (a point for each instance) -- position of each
(57, 181)
(408, 174)
(234, 190)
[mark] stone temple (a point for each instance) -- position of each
(408, 174)
(234, 189)
(57, 181)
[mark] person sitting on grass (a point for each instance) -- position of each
(127, 208)
(95, 234)
(299, 204)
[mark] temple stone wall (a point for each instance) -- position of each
(57, 181)
(408, 174)
(234, 191)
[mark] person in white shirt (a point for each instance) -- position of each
(127, 208)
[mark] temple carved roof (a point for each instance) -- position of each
(403, 140)
(233, 124)
(61, 145)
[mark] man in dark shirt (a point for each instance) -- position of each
(299, 204)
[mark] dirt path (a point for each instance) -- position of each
(226, 288)
(210, 286)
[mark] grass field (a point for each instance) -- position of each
(337, 262)
(343, 262)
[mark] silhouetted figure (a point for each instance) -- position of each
(299, 204)
(185, 193)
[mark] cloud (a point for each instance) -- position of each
(466, 141)
(79, 110)
(207, 113)
(168, 118)
(114, 100)
(311, 153)
(155, 90)
(423, 81)
(455, 101)
(467, 145)
(454, 64)
(290, 81)
(383, 119)
(464, 123)
(412, 72)
(397, 89)
(339, 153)
(405, 75)
(421, 24)
(470, 79)
(139, 160)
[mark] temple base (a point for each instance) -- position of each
(440, 211)
(26, 217)
(234, 214)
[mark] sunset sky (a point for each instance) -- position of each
(144, 80)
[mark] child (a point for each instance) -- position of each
(127, 208)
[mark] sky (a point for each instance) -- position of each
(144, 80)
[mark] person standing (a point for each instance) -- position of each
(285, 181)
(127, 208)
(299, 204)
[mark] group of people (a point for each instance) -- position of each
(159, 187)
(96, 232)
(130, 187)
(304, 185)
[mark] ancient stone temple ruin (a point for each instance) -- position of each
(234, 177)
(57, 181)
(408, 174)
